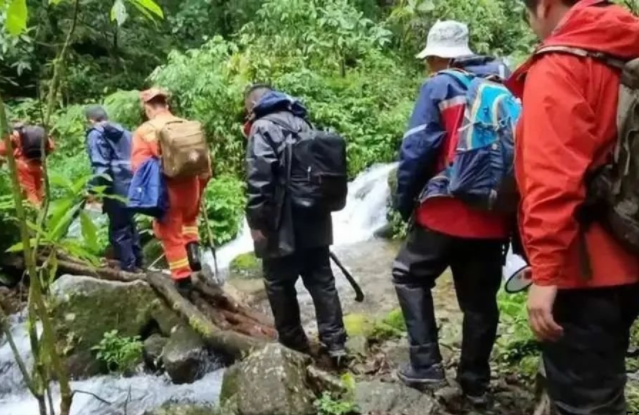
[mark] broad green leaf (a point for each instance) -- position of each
(19, 246)
(59, 180)
(58, 209)
(79, 252)
(119, 13)
(144, 11)
(60, 229)
(151, 6)
(89, 231)
(55, 2)
(17, 16)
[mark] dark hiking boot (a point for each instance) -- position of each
(476, 395)
(184, 286)
(193, 254)
(423, 379)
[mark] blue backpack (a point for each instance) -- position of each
(148, 194)
(482, 169)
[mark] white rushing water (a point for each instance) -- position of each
(364, 214)
(118, 395)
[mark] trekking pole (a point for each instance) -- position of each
(359, 294)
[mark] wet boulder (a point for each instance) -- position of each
(153, 348)
(392, 399)
(185, 356)
(85, 308)
(270, 381)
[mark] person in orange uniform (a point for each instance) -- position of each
(178, 230)
(30, 174)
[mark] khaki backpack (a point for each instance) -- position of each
(184, 150)
(613, 189)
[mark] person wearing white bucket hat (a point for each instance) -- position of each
(447, 39)
(446, 232)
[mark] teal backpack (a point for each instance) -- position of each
(482, 169)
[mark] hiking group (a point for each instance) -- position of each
(544, 160)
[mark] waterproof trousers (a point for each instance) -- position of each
(123, 235)
(586, 367)
(314, 266)
(476, 265)
(179, 226)
(31, 180)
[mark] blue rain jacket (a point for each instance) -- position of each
(426, 133)
(148, 193)
(109, 147)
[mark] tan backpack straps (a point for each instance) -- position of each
(607, 59)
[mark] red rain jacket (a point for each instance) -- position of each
(568, 127)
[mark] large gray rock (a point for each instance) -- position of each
(392, 399)
(270, 381)
(85, 308)
(185, 357)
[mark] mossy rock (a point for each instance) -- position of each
(246, 266)
(85, 308)
(359, 325)
(391, 326)
(270, 381)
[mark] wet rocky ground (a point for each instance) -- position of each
(377, 359)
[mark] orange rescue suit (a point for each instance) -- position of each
(179, 226)
(30, 173)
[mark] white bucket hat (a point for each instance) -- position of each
(448, 39)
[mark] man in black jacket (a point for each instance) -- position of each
(292, 242)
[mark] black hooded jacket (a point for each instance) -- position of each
(269, 208)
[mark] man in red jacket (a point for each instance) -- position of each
(568, 129)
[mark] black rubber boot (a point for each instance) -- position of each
(193, 254)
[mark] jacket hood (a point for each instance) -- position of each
(594, 25)
(483, 66)
(111, 131)
(275, 101)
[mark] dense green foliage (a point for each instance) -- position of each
(350, 62)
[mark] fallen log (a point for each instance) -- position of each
(230, 342)
(225, 324)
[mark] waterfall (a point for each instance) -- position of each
(364, 214)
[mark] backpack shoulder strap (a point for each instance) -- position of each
(462, 76)
(584, 53)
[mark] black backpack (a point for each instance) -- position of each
(32, 141)
(317, 169)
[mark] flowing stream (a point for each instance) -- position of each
(365, 213)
